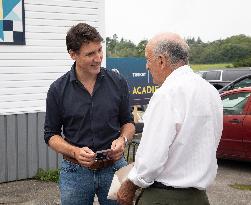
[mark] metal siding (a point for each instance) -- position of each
(52, 159)
(3, 147)
(60, 157)
(32, 145)
(22, 148)
(42, 147)
(22, 132)
(11, 147)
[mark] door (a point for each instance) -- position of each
(247, 127)
(234, 110)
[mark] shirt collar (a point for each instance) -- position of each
(73, 76)
(178, 72)
(73, 72)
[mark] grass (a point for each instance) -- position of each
(241, 186)
(197, 67)
(50, 175)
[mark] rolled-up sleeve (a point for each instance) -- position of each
(53, 119)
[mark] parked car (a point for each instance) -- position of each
(235, 142)
(244, 81)
(222, 77)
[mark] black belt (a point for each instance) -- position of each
(159, 185)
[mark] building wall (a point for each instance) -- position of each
(25, 75)
(22, 148)
(27, 71)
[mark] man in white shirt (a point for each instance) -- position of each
(176, 159)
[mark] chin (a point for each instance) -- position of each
(157, 83)
(96, 70)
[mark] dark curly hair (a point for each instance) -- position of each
(80, 34)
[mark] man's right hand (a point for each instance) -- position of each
(85, 156)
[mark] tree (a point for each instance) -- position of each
(232, 49)
(243, 62)
(141, 48)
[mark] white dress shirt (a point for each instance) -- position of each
(182, 129)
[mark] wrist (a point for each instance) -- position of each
(74, 152)
(131, 185)
(125, 139)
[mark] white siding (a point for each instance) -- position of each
(27, 71)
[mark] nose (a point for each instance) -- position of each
(98, 57)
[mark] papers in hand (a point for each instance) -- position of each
(119, 177)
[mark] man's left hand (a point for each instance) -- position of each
(126, 193)
(118, 147)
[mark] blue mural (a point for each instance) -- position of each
(139, 79)
(12, 22)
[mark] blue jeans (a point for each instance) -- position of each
(78, 185)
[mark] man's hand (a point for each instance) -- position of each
(126, 193)
(117, 149)
(85, 156)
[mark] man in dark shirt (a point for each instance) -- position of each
(91, 105)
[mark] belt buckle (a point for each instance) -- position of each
(98, 167)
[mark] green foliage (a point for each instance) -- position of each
(50, 175)
(243, 62)
(233, 49)
(124, 48)
(221, 51)
(241, 186)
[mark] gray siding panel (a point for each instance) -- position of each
(42, 147)
(11, 147)
(22, 161)
(60, 158)
(3, 149)
(22, 148)
(53, 159)
(32, 145)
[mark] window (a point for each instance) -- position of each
(233, 104)
(230, 75)
(246, 82)
(212, 75)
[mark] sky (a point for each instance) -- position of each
(210, 20)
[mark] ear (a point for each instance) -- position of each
(162, 61)
(73, 55)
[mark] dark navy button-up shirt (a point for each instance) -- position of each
(92, 121)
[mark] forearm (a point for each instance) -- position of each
(126, 193)
(128, 131)
(58, 144)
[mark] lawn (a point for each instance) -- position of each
(197, 67)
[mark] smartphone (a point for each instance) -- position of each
(102, 154)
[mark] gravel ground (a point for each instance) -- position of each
(33, 192)
(231, 172)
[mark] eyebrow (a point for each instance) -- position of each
(91, 52)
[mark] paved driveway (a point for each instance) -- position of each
(231, 172)
(32, 192)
